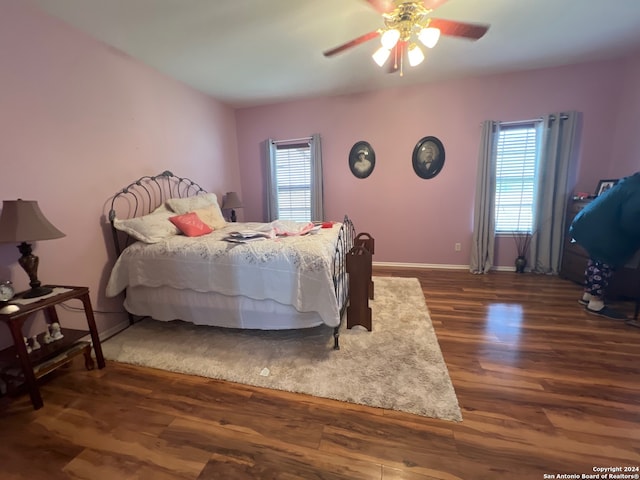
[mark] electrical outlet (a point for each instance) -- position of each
(458, 247)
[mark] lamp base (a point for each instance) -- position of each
(233, 216)
(37, 292)
(29, 262)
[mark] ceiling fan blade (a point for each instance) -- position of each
(356, 41)
(382, 6)
(473, 31)
(433, 4)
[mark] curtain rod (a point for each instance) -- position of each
(516, 122)
(306, 139)
(539, 119)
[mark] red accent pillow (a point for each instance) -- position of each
(190, 224)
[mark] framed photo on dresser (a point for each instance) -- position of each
(604, 185)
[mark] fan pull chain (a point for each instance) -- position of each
(395, 58)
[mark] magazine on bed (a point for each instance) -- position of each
(272, 230)
(246, 236)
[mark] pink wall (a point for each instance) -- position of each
(415, 220)
(79, 121)
(626, 145)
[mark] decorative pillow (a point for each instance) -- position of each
(190, 224)
(212, 216)
(151, 228)
(189, 204)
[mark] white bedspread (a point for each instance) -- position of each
(292, 270)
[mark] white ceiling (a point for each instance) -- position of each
(251, 52)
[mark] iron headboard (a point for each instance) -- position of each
(145, 195)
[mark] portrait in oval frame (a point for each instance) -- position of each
(428, 157)
(362, 159)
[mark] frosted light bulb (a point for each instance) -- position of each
(429, 36)
(415, 55)
(381, 55)
(390, 38)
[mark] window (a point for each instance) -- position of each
(293, 182)
(516, 160)
(294, 179)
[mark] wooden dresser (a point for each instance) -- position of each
(624, 283)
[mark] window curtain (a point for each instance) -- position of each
(483, 242)
(317, 189)
(556, 170)
(317, 193)
(271, 184)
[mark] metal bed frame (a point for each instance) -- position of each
(346, 238)
(144, 195)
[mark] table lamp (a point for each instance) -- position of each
(231, 201)
(22, 222)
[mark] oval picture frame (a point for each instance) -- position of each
(428, 157)
(362, 159)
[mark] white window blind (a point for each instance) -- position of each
(516, 177)
(293, 182)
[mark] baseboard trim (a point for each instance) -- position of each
(421, 265)
(435, 266)
(110, 332)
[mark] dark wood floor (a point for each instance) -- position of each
(544, 388)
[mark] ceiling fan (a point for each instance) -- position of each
(404, 23)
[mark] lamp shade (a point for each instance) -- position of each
(231, 200)
(23, 221)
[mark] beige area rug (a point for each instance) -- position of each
(397, 366)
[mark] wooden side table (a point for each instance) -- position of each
(359, 270)
(50, 356)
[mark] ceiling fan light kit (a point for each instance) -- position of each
(405, 22)
(415, 55)
(429, 36)
(389, 38)
(380, 56)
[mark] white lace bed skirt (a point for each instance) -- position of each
(166, 304)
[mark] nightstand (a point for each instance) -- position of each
(38, 363)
